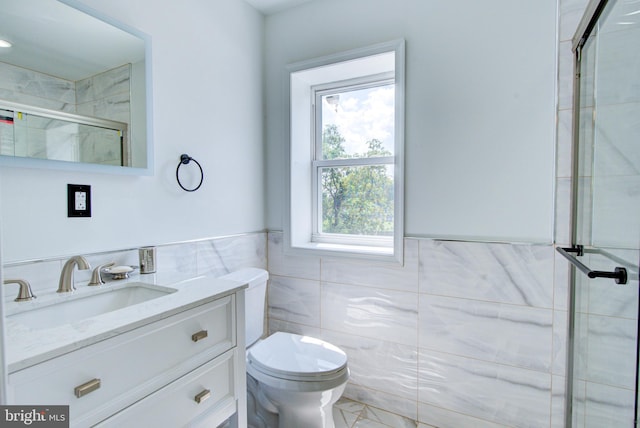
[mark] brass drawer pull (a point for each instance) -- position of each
(86, 388)
(203, 396)
(199, 335)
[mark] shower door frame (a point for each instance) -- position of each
(590, 18)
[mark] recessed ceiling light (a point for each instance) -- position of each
(5, 44)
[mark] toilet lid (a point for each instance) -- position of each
(291, 356)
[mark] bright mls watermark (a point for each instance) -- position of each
(34, 416)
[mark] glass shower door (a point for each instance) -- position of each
(603, 362)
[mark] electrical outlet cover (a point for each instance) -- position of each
(78, 200)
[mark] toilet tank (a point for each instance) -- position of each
(254, 300)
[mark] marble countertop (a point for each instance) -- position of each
(25, 346)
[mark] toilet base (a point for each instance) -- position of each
(257, 415)
(270, 408)
(307, 417)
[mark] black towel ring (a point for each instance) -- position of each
(185, 159)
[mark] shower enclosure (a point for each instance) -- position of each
(603, 341)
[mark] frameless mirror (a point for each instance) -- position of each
(74, 89)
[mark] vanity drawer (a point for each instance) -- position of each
(103, 378)
(208, 390)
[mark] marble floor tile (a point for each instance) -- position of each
(343, 418)
(367, 423)
(386, 418)
(348, 405)
(353, 414)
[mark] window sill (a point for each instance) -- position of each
(341, 250)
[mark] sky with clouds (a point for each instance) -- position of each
(362, 115)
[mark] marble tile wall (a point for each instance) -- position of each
(29, 87)
(215, 257)
(464, 334)
(106, 95)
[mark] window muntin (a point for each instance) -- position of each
(353, 185)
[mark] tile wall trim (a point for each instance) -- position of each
(118, 250)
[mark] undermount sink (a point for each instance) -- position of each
(66, 308)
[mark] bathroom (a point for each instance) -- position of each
(471, 329)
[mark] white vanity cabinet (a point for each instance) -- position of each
(172, 372)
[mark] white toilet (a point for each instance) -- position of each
(293, 381)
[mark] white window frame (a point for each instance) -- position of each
(365, 66)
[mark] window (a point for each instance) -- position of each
(353, 161)
(345, 153)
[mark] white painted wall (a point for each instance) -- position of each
(480, 107)
(207, 102)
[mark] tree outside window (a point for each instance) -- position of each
(356, 200)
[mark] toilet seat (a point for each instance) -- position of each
(297, 358)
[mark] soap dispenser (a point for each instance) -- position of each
(147, 259)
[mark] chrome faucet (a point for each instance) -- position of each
(25, 292)
(66, 276)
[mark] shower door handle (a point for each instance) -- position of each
(619, 273)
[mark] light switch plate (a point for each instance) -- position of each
(78, 200)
